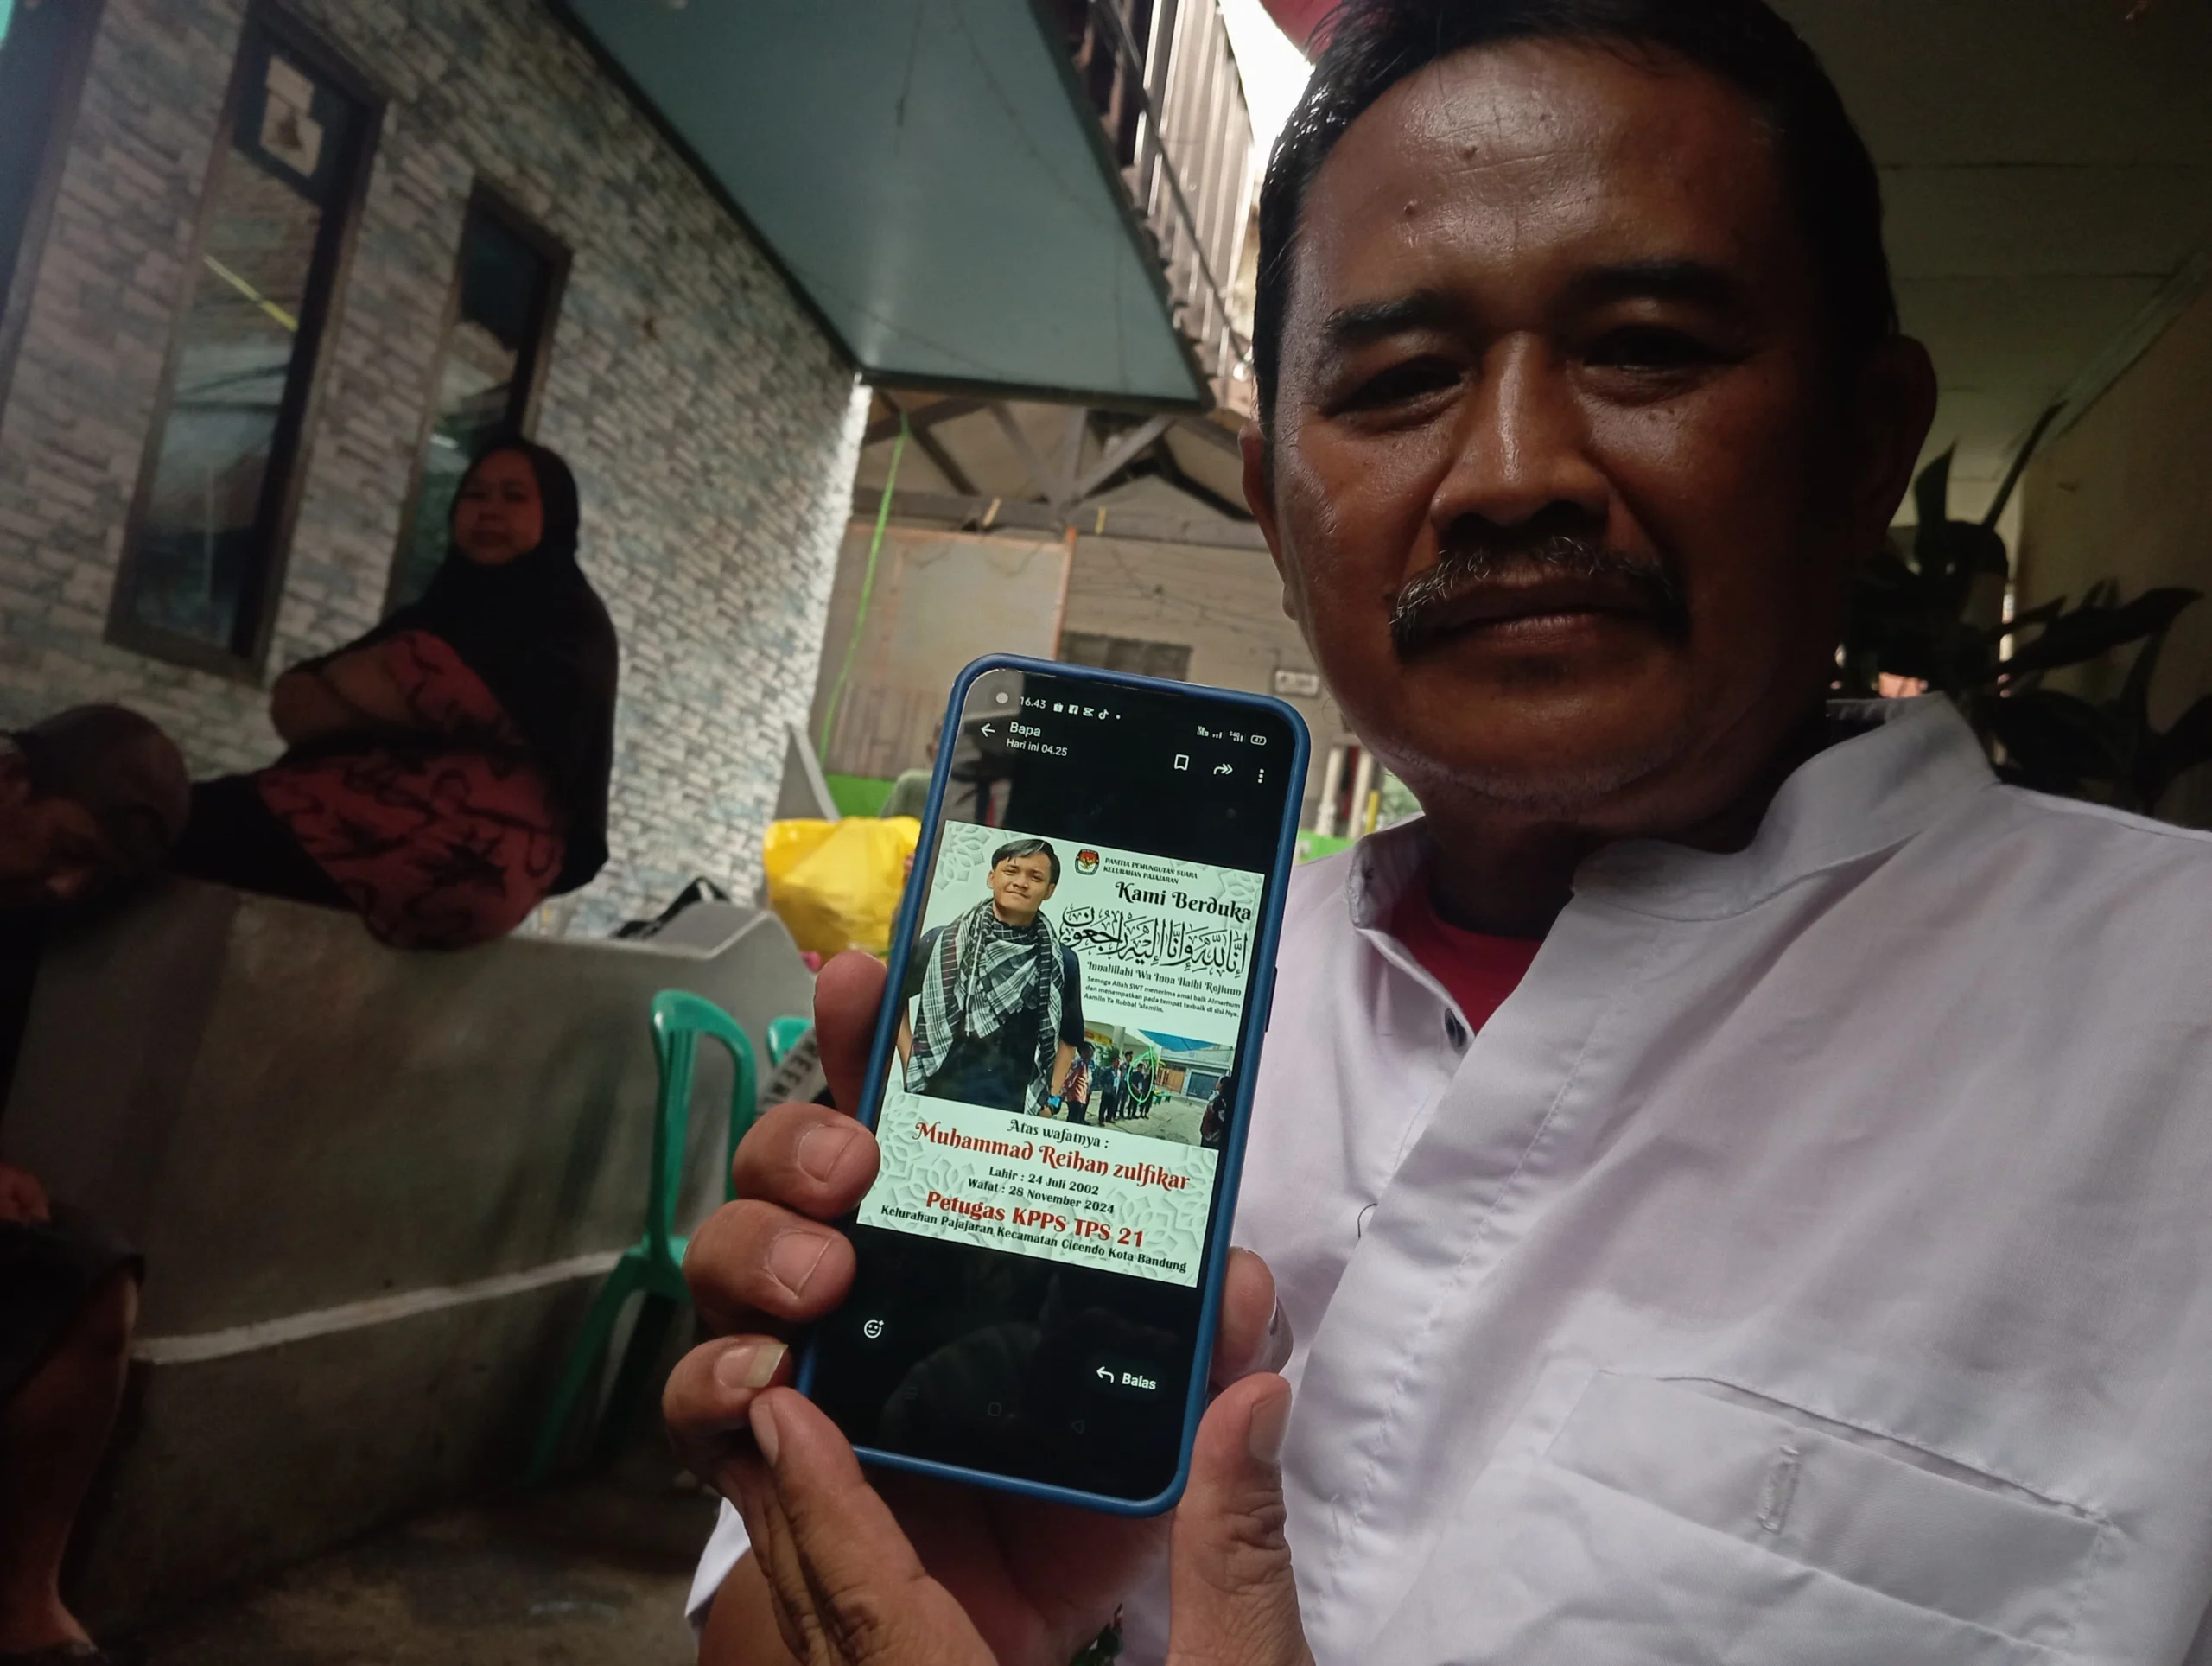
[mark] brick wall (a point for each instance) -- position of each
(1225, 604)
(712, 427)
(941, 598)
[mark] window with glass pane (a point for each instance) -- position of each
(44, 45)
(204, 564)
(508, 290)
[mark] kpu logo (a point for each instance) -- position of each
(1086, 861)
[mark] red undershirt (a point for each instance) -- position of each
(1478, 969)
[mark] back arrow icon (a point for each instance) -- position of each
(988, 729)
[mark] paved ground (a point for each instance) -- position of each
(590, 1573)
(1173, 1118)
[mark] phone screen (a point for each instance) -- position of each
(1059, 1103)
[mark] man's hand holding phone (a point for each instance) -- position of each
(847, 1588)
(1036, 1581)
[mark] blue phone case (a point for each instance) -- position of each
(1249, 1043)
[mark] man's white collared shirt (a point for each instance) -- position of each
(1804, 1265)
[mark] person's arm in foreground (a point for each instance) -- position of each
(924, 951)
(22, 1199)
(304, 708)
(364, 680)
(844, 1588)
(1038, 1581)
(1063, 1054)
(353, 694)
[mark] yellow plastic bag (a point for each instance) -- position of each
(835, 885)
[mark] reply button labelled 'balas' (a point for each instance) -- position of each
(1118, 1377)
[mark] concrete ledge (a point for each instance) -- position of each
(231, 1468)
(375, 1190)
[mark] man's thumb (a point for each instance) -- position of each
(1232, 1601)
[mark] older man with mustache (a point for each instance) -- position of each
(1735, 1173)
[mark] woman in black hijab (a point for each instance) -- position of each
(449, 771)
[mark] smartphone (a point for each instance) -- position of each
(1061, 1084)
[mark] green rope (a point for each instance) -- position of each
(868, 589)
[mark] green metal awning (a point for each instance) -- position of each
(931, 178)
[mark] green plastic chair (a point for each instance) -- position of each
(784, 1034)
(652, 1267)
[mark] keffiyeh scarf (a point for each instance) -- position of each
(983, 973)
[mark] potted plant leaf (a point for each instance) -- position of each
(1932, 612)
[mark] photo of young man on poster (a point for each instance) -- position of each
(999, 1016)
